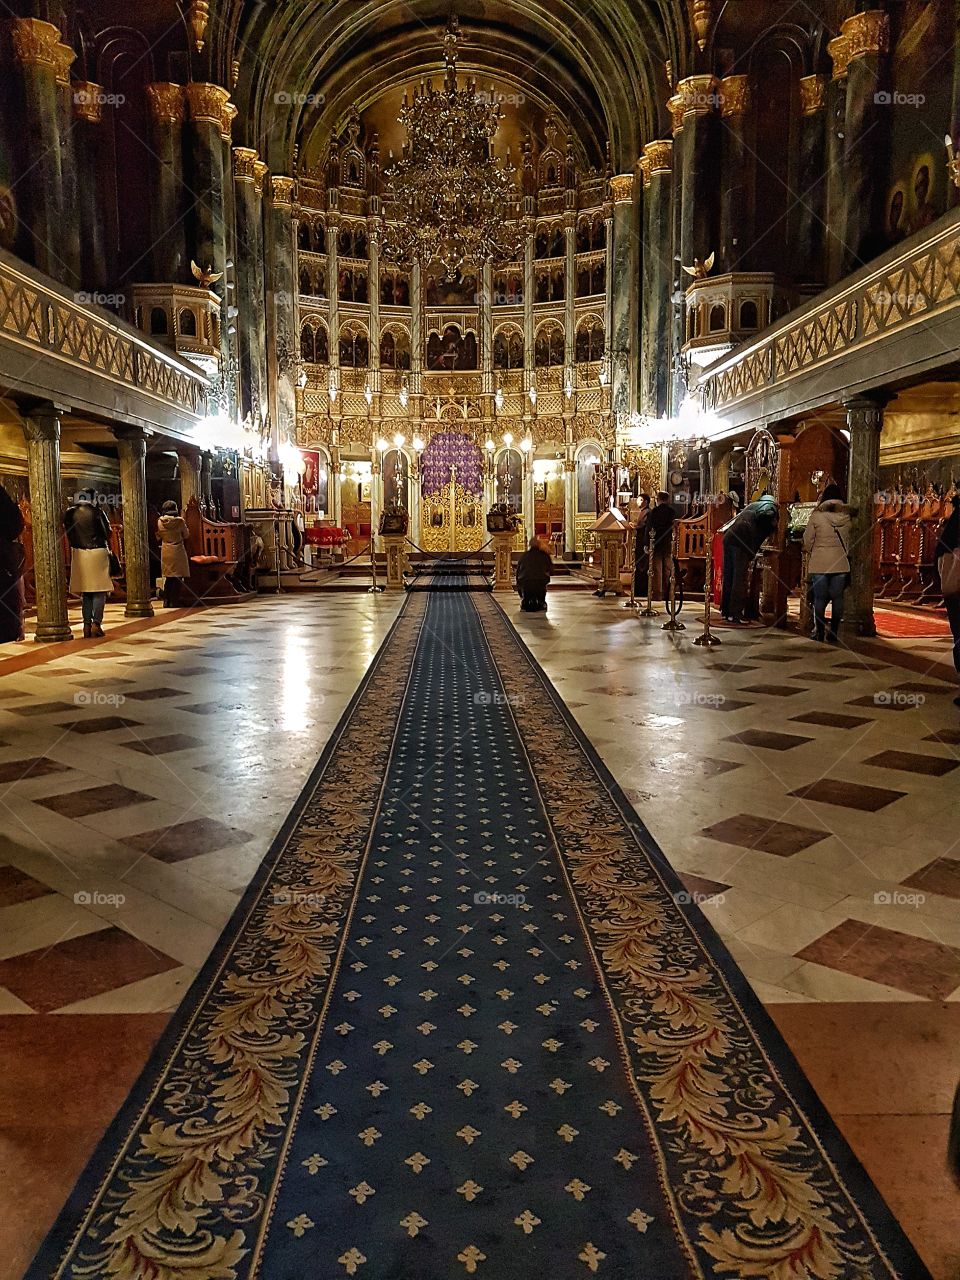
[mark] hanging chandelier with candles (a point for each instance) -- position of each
(453, 202)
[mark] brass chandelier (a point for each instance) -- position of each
(450, 200)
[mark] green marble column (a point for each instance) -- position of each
(865, 423)
(42, 431)
(88, 134)
(69, 238)
(132, 452)
(735, 244)
(249, 174)
(695, 150)
(863, 43)
(283, 341)
(168, 263)
(810, 212)
(656, 333)
(208, 109)
(37, 140)
(623, 293)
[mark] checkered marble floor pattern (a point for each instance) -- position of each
(806, 793)
(142, 778)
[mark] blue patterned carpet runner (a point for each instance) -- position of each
(464, 1024)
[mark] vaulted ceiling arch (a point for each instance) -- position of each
(301, 66)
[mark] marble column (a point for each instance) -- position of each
(37, 141)
(88, 138)
(863, 42)
(623, 291)
(865, 423)
(834, 195)
(693, 109)
(42, 431)
(248, 174)
(736, 231)
(283, 339)
(656, 166)
(69, 230)
(188, 464)
(207, 233)
(810, 213)
(132, 452)
(167, 256)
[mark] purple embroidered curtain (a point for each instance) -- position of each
(450, 449)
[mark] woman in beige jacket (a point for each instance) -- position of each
(826, 540)
(173, 535)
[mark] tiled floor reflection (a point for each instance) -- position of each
(143, 777)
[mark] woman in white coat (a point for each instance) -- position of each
(173, 535)
(88, 532)
(826, 540)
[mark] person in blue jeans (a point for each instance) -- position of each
(826, 540)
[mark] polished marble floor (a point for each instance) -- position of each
(807, 794)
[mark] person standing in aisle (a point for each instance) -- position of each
(88, 532)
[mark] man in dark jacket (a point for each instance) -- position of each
(742, 539)
(534, 569)
(661, 520)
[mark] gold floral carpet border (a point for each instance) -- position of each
(760, 1181)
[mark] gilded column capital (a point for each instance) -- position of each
(245, 160)
(34, 42)
(42, 423)
(839, 51)
(867, 32)
(166, 102)
(658, 156)
(261, 172)
(207, 102)
(813, 94)
(226, 121)
(699, 94)
(88, 101)
(735, 95)
(64, 58)
(621, 187)
(675, 107)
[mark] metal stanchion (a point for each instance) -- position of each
(373, 570)
(649, 611)
(706, 639)
(632, 603)
(672, 624)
